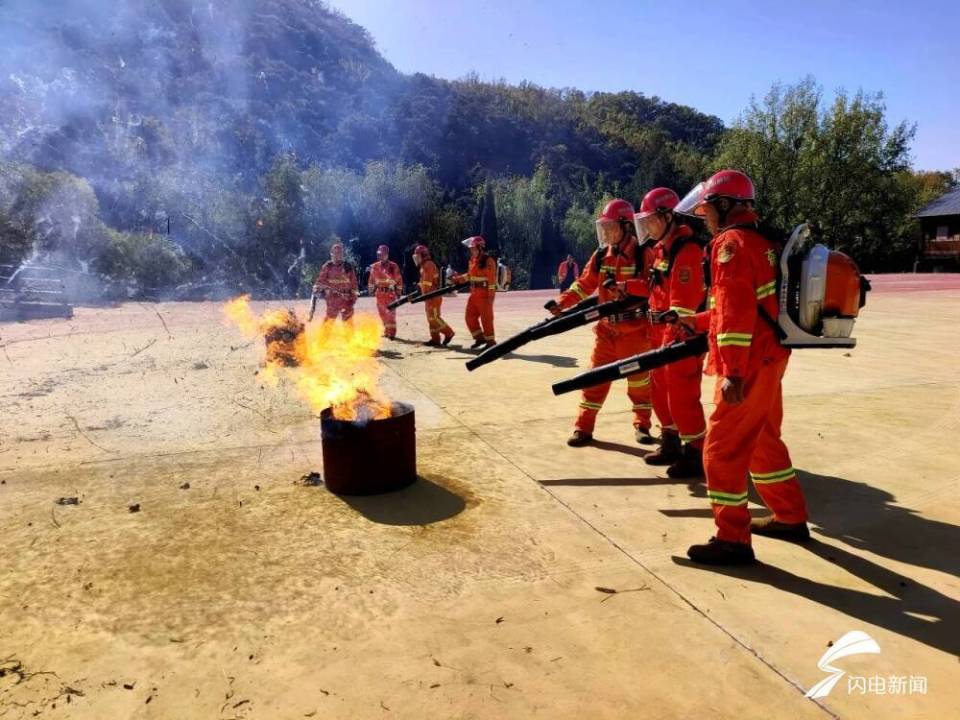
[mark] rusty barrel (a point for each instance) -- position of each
(366, 458)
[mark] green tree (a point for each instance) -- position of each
(524, 204)
(839, 166)
(488, 219)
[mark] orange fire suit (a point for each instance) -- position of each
(617, 337)
(482, 276)
(677, 284)
(385, 280)
(429, 281)
(567, 272)
(338, 283)
(745, 438)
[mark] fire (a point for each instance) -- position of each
(334, 362)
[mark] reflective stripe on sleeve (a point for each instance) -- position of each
(734, 339)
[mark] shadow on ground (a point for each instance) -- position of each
(867, 518)
(696, 486)
(422, 503)
(620, 447)
(938, 628)
(560, 361)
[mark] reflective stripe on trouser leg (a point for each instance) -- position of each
(639, 386)
(770, 467)
(387, 316)
(732, 434)
(658, 386)
(472, 316)
(744, 437)
(436, 323)
(658, 395)
(639, 390)
(432, 322)
(683, 388)
(604, 351)
(486, 319)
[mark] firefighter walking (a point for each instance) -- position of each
(743, 434)
(429, 281)
(337, 284)
(621, 258)
(384, 282)
(676, 290)
(482, 276)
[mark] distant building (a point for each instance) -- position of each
(940, 228)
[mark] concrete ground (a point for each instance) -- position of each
(477, 592)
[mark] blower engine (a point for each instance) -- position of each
(821, 293)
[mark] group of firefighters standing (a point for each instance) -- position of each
(727, 290)
(337, 283)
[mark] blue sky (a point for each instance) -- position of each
(713, 56)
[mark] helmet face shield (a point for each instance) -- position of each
(641, 223)
(609, 232)
(693, 201)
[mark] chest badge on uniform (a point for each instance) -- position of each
(772, 257)
(683, 275)
(726, 252)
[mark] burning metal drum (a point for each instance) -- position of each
(369, 457)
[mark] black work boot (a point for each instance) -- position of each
(721, 552)
(478, 343)
(668, 452)
(642, 435)
(579, 439)
(773, 528)
(689, 465)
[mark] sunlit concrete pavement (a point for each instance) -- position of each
(483, 590)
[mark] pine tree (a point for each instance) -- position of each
(488, 220)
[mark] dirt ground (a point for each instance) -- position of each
(482, 591)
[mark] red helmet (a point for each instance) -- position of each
(616, 213)
(658, 200)
(475, 241)
(383, 250)
(726, 183)
(422, 251)
(617, 210)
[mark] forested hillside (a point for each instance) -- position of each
(167, 141)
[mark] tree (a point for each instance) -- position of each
(839, 166)
(524, 206)
(488, 219)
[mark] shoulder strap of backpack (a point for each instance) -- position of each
(675, 249)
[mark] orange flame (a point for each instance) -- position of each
(336, 365)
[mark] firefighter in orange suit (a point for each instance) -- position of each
(385, 281)
(430, 280)
(337, 283)
(622, 258)
(482, 276)
(676, 290)
(567, 272)
(743, 434)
